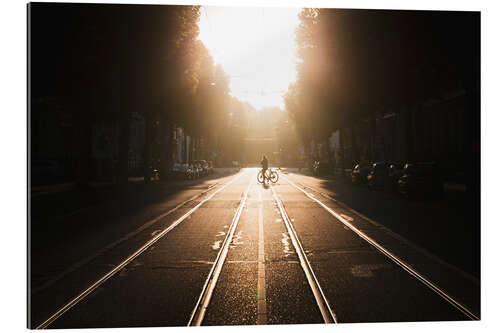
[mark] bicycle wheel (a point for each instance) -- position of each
(260, 177)
(274, 176)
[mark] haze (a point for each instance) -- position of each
(256, 48)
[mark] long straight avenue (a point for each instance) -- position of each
(232, 251)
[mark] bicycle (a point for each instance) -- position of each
(270, 175)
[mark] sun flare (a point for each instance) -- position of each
(256, 48)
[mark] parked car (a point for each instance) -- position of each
(378, 176)
(360, 172)
(420, 179)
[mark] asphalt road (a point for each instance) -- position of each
(365, 272)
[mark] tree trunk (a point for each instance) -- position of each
(472, 145)
(328, 154)
(192, 149)
(169, 146)
(85, 148)
(372, 123)
(342, 152)
(307, 155)
(185, 148)
(354, 143)
(122, 167)
(147, 151)
(198, 150)
(409, 135)
(166, 147)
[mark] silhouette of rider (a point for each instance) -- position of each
(264, 164)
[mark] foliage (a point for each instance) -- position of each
(354, 64)
(106, 61)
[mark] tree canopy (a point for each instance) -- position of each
(107, 61)
(353, 64)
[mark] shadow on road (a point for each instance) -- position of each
(448, 227)
(55, 216)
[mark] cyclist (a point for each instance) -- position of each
(265, 165)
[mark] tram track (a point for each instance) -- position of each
(203, 302)
(395, 235)
(75, 266)
(390, 255)
(97, 283)
(329, 316)
(198, 313)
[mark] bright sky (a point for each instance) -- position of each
(256, 48)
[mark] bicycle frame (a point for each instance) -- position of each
(267, 175)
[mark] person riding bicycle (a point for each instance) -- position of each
(265, 164)
(266, 173)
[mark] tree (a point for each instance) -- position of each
(112, 60)
(355, 64)
(208, 108)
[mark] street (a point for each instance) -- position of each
(199, 165)
(231, 251)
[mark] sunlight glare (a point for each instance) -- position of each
(256, 48)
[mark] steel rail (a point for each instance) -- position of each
(459, 306)
(416, 247)
(327, 313)
(129, 259)
(201, 306)
(112, 245)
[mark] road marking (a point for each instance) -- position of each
(417, 248)
(462, 308)
(216, 245)
(124, 263)
(201, 306)
(327, 313)
(364, 271)
(261, 277)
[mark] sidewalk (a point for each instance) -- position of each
(59, 201)
(68, 186)
(449, 186)
(47, 189)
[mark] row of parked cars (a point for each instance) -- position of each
(194, 170)
(409, 179)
